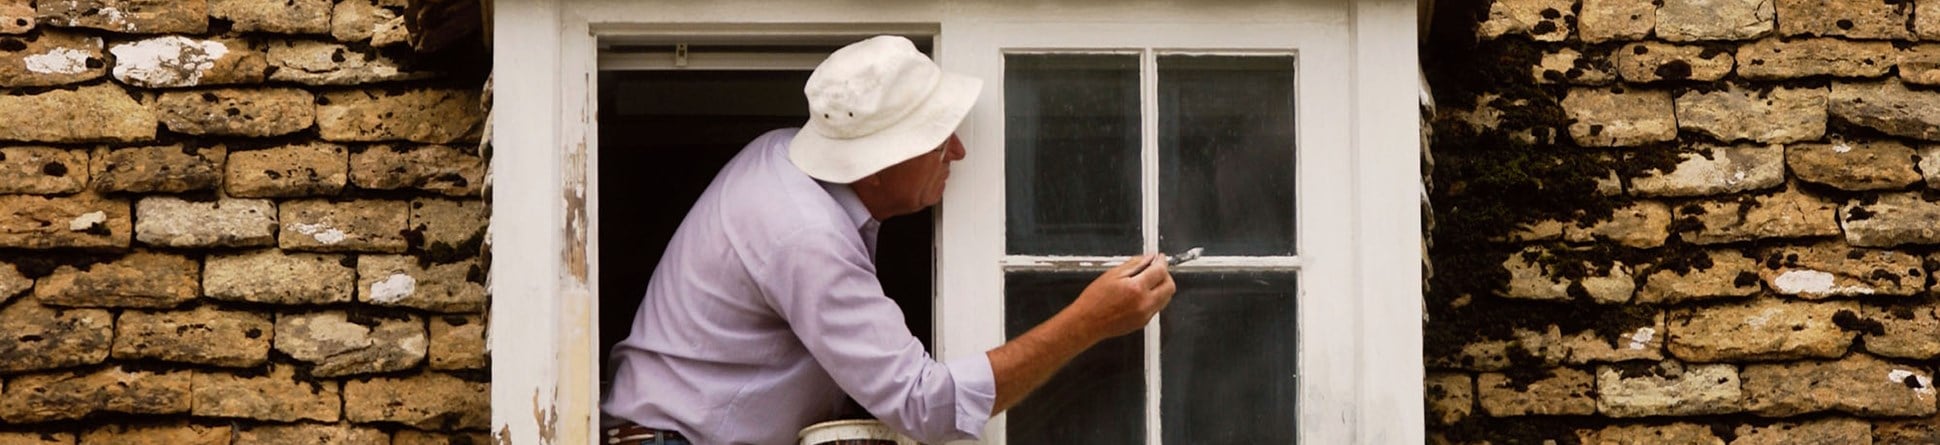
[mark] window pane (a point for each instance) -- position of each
(1226, 144)
(1071, 137)
(1228, 351)
(1099, 398)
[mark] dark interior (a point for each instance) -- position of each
(662, 137)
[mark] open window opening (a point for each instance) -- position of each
(671, 114)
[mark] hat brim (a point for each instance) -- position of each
(844, 161)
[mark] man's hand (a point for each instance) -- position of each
(1120, 301)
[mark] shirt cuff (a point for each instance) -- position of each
(976, 389)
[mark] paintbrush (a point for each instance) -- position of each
(1173, 260)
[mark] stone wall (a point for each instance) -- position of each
(247, 221)
(1685, 222)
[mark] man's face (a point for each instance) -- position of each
(917, 183)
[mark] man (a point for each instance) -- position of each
(766, 312)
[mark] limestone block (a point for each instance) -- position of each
(348, 226)
(275, 16)
(276, 396)
(17, 17)
(415, 437)
(1856, 20)
(78, 221)
(158, 169)
(1654, 61)
(163, 434)
(42, 170)
(224, 222)
(1854, 165)
(1564, 391)
(312, 62)
(433, 116)
(176, 61)
(1695, 20)
(103, 112)
(30, 437)
(1606, 20)
(1716, 170)
(1532, 275)
(1786, 214)
(356, 20)
(1859, 385)
(397, 280)
(339, 433)
(433, 168)
(1823, 431)
(458, 342)
(1781, 115)
(1451, 397)
(1541, 20)
(1719, 274)
(204, 335)
(427, 401)
(1641, 224)
(1920, 64)
(128, 16)
(73, 395)
(1760, 329)
(1667, 389)
(12, 282)
(1775, 58)
(1565, 65)
(272, 276)
(140, 279)
(40, 337)
(1674, 433)
(338, 344)
(50, 57)
(1905, 330)
(1926, 19)
(1891, 219)
(1888, 107)
(237, 112)
(1617, 117)
(295, 170)
(1828, 269)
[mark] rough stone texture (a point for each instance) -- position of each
(277, 16)
(1905, 331)
(128, 16)
(357, 20)
(1451, 397)
(328, 63)
(1784, 59)
(429, 401)
(237, 112)
(1926, 19)
(204, 335)
(1654, 61)
(1781, 115)
(158, 169)
(296, 170)
(341, 345)
(1891, 219)
(1667, 389)
(1929, 165)
(1906, 432)
(1888, 107)
(1858, 20)
(391, 32)
(272, 276)
(1855, 166)
(415, 437)
(349, 226)
(1553, 348)
(433, 168)
(79, 221)
(1786, 214)
(139, 279)
(176, 61)
(1642, 225)
(1859, 385)
(277, 396)
(1569, 66)
(1730, 274)
(458, 342)
(45, 338)
(50, 58)
(1619, 117)
(1530, 278)
(171, 434)
(1541, 20)
(12, 282)
(1606, 20)
(42, 170)
(395, 280)
(434, 116)
(174, 222)
(1920, 64)
(1833, 431)
(36, 438)
(17, 17)
(103, 112)
(1564, 391)
(1833, 269)
(1676, 433)
(72, 395)
(336, 434)
(1694, 20)
(448, 228)
(1760, 329)
(1714, 170)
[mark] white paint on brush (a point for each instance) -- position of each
(86, 220)
(58, 61)
(393, 288)
(1806, 281)
(169, 61)
(321, 232)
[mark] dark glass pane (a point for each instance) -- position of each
(1099, 398)
(1228, 350)
(1226, 145)
(1071, 138)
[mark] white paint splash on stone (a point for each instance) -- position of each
(86, 220)
(58, 61)
(1841, 147)
(393, 288)
(169, 61)
(1899, 376)
(322, 233)
(1814, 282)
(1642, 337)
(1762, 318)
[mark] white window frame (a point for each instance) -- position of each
(1363, 389)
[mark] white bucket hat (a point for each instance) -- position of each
(876, 103)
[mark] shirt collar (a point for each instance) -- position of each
(851, 204)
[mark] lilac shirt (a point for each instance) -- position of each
(765, 311)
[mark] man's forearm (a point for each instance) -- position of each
(1026, 362)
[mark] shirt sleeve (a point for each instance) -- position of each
(825, 286)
